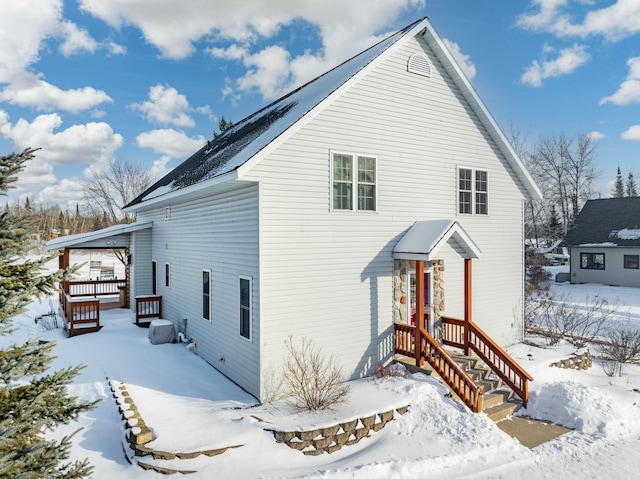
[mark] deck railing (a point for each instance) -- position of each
(460, 334)
(80, 315)
(147, 308)
(96, 288)
(430, 351)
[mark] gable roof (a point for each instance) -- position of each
(606, 222)
(238, 149)
(425, 238)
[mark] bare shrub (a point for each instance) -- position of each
(621, 347)
(390, 370)
(313, 380)
(557, 317)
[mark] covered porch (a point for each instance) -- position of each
(103, 286)
(427, 329)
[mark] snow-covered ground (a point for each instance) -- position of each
(190, 406)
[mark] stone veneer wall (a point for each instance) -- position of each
(400, 291)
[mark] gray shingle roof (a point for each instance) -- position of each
(611, 222)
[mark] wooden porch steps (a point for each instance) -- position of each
(498, 401)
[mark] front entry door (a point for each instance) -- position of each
(427, 300)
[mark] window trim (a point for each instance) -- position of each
(249, 307)
(590, 264)
(635, 257)
(355, 183)
(473, 192)
(167, 275)
(207, 295)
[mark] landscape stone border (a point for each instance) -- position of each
(331, 439)
(138, 435)
(579, 361)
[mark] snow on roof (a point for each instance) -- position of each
(244, 140)
(598, 244)
(71, 240)
(425, 238)
(627, 234)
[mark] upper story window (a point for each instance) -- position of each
(591, 260)
(473, 191)
(354, 184)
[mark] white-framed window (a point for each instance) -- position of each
(206, 294)
(154, 277)
(473, 191)
(246, 306)
(353, 182)
(167, 271)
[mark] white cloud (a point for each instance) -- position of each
(66, 193)
(166, 106)
(568, 60)
(629, 91)
(632, 133)
(464, 61)
(25, 26)
(596, 136)
(173, 27)
(30, 91)
(172, 143)
(92, 143)
(115, 48)
(75, 39)
(614, 22)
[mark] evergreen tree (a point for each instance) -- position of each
(632, 189)
(618, 186)
(223, 125)
(555, 226)
(31, 400)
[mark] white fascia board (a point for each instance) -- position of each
(176, 194)
(72, 240)
(320, 107)
(485, 116)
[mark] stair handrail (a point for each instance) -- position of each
(500, 362)
(445, 366)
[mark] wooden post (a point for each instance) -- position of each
(419, 310)
(467, 305)
(63, 263)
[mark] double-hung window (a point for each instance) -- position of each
(473, 191)
(354, 183)
(245, 307)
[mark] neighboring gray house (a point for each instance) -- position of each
(605, 243)
(290, 223)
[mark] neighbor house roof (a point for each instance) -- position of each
(238, 149)
(607, 222)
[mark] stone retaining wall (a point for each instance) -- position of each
(331, 439)
(579, 361)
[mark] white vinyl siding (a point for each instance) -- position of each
(217, 233)
(329, 276)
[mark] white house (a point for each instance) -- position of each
(605, 243)
(310, 218)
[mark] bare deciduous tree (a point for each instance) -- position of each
(108, 190)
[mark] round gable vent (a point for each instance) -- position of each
(419, 65)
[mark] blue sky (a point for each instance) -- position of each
(89, 81)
